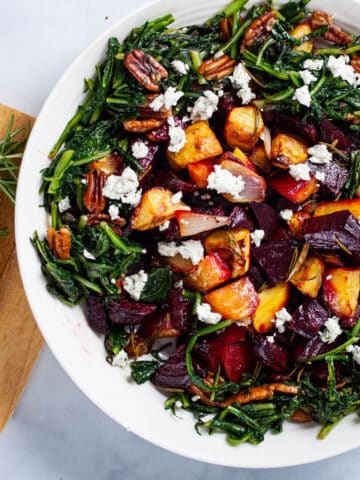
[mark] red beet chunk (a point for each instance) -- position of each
(329, 133)
(295, 124)
(308, 318)
(180, 309)
(152, 154)
(240, 219)
(161, 134)
(125, 312)
(266, 217)
(208, 353)
(237, 356)
(168, 179)
(256, 277)
(96, 314)
(309, 348)
(270, 354)
(335, 178)
(274, 260)
(319, 373)
(322, 232)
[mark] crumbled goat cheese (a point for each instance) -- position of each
(257, 236)
(185, 119)
(270, 338)
(307, 77)
(176, 197)
(195, 398)
(179, 284)
(320, 176)
(191, 249)
(180, 67)
(205, 106)
(286, 214)
(356, 354)
(164, 226)
(332, 330)
(113, 281)
(223, 181)
(134, 284)
(121, 359)
(240, 80)
(113, 212)
(177, 136)
(178, 404)
(123, 187)
(167, 99)
(204, 313)
(84, 181)
(88, 255)
(319, 154)
(220, 93)
(328, 277)
(350, 348)
(139, 149)
(300, 171)
(310, 64)
(281, 318)
(64, 205)
(340, 68)
(302, 95)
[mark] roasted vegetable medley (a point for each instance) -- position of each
(204, 208)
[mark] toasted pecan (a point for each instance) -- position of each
(334, 34)
(142, 125)
(60, 242)
(93, 199)
(259, 30)
(213, 69)
(146, 69)
(226, 26)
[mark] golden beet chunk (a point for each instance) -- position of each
(271, 300)
(308, 279)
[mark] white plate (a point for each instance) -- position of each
(80, 352)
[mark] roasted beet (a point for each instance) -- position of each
(237, 356)
(319, 373)
(296, 125)
(168, 179)
(270, 353)
(305, 349)
(179, 308)
(152, 152)
(172, 232)
(96, 314)
(328, 232)
(161, 134)
(334, 180)
(274, 259)
(266, 217)
(208, 353)
(329, 133)
(255, 276)
(240, 219)
(308, 318)
(125, 312)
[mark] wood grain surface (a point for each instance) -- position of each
(20, 339)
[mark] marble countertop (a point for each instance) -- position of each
(56, 433)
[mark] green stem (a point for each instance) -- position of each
(118, 242)
(334, 351)
(90, 285)
(60, 169)
(234, 39)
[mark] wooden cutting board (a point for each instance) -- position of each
(20, 339)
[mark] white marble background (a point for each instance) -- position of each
(56, 432)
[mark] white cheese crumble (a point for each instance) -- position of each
(139, 149)
(223, 181)
(328, 277)
(164, 226)
(121, 359)
(180, 67)
(310, 64)
(307, 77)
(257, 236)
(167, 99)
(64, 205)
(240, 80)
(340, 68)
(332, 330)
(206, 315)
(179, 284)
(176, 197)
(177, 136)
(286, 214)
(205, 106)
(134, 284)
(301, 171)
(123, 187)
(320, 176)
(113, 212)
(189, 249)
(302, 95)
(281, 318)
(178, 404)
(88, 255)
(356, 354)
(319, 154)
(195, 398)
(270, 338)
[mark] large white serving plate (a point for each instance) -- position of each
(80, 352)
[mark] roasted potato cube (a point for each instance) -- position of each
(352, 205)
(259, 158)
(211, 272)
(295, 191)
(341, 287)
(243, 127)
(301, 31)
(233, 246)
(308, 279)
(201, 143)
(236, 301)
(296, 222)
(271, 300)
(156, 207)
(287, 150)
(200, 171)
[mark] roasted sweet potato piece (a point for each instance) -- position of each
(156, 207)
(308, 279)
(211, 272)
(295, 191)
(300, 31)
(341, 287)
(352, 205)
(233, 246)
(287, 150)
(200, 171)
(237, 300)
(243, 127)
(271, 300)
(201, 143)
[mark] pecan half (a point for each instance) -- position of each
(93, 199)
(226, 26)
(141, 126)
(145, 111)
(97, 218)
(355, 62)
(259, 29)
(334, 34)
(60, 242)
(146, 69)
(108, 165)
(213, 69)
